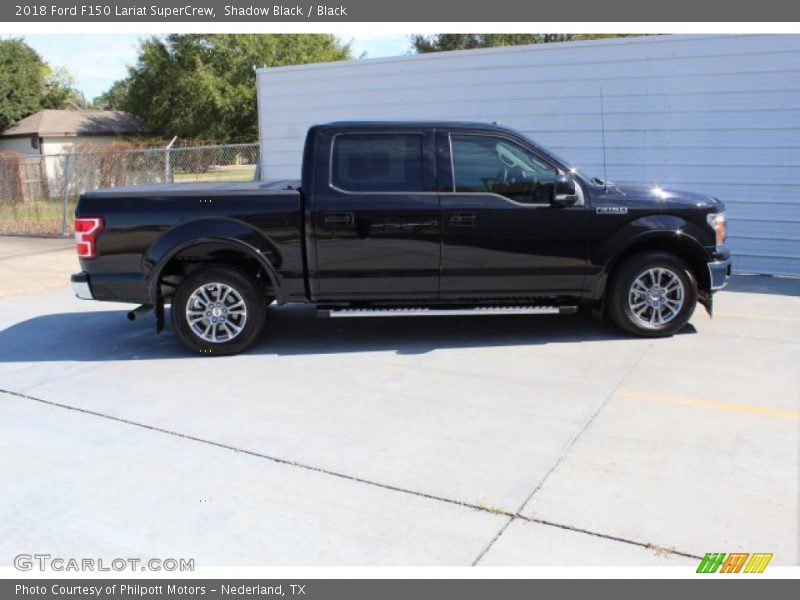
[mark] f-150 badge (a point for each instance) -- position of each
(612, 210)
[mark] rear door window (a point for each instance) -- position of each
(380, 162)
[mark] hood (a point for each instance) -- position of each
(662, 195)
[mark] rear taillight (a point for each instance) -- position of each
(86, 230)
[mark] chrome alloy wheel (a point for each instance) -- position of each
(216, 312)
(656, 297)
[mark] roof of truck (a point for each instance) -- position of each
(412, 124)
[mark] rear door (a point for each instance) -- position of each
(502, 237)
(375, 216)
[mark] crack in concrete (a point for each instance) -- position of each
(512, 516)
(564, 453)
(606, 536)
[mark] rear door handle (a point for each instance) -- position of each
(338, 219)
(463, 220)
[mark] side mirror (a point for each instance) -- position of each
(564, 192)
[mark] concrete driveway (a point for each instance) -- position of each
(448, 441)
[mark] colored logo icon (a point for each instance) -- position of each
(735, 562)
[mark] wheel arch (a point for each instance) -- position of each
(684, 247)
(198, 243)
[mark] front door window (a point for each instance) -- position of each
(489, 164)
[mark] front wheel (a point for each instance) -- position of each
(218, 311)
(652, 294)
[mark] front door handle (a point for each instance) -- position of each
(343, 219)
(463, 220)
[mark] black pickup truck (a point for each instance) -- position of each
(403, 219)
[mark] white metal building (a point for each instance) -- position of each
(718, 114)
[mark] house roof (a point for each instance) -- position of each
(50, 123)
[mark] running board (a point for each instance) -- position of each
(340, 313)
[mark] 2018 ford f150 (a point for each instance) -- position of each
(403, 219)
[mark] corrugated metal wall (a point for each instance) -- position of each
(715, 113)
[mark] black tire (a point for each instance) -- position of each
(241, 289)
(619, 300)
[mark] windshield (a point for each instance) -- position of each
(568, 163)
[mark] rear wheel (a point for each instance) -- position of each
(218, 311)
(652, 294)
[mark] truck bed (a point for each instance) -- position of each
(145, 224)
(198, 187)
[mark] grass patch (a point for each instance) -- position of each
(231, 173)
(36, 217)
(44, 217)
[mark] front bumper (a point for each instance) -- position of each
(81, 287)
(719, 272)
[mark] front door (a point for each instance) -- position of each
(502, 237)
(375, 217)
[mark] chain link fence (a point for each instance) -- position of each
(38, 193)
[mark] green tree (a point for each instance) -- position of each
(59, 89)
(21, 81)
(114, 97)
(28, 84)
(204, 86)
(465, 41)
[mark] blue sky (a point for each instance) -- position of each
(97, 61)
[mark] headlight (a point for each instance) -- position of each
(718, 223)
